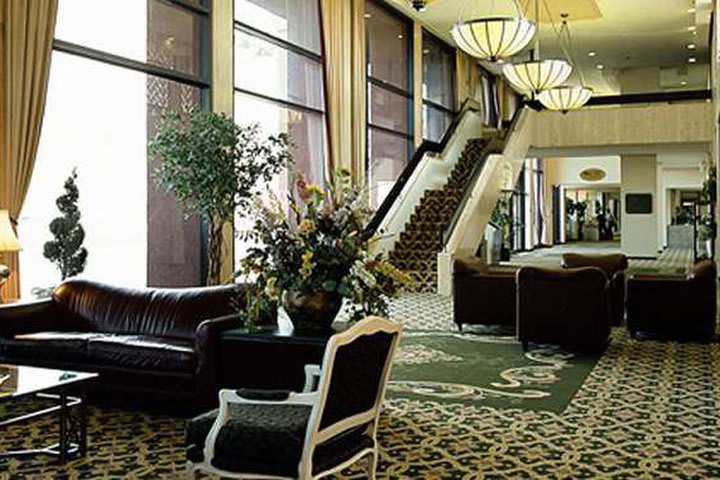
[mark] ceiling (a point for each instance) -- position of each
(624, 34)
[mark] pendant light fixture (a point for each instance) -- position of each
(534, 76)
(494, 38)
(565, 98)
(537, 75)
(569, 97)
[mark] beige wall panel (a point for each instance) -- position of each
(638, 125)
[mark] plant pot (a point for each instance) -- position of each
(312, 311)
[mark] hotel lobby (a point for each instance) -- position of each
(393, 239)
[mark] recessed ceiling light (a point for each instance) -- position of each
(691, 46)
(592, 53)
(692, 28)
(691, 10)
(692, 60)
(368, 15)
(600, 66)
(400, 36)
(683, 83)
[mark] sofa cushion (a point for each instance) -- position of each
(68, 346)
(171, 312)
(137, 351)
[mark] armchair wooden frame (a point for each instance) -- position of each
(317, 399)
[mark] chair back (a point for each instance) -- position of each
(610, 264)
(355, 371)
(565, 307)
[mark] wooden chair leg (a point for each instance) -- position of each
(372, 462)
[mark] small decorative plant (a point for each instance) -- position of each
(500, 216)
(66, 251)
(214, 167)
(316, 256)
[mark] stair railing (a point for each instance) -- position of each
(427, 146)
(493, 147)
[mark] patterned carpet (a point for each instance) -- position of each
(646, 410)
(668, 261)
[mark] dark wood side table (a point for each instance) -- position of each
(271, 357)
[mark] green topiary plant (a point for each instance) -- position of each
(66, 250)
(213, 167)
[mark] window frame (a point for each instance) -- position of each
(408, 95)
(201, 10)
(319, 58)
(201, 81)
(427, 35)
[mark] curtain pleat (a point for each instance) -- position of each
(467, 78)
(345, 64)
(26, 50)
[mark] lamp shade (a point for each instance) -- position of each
(8, 240)
(564, 99)
(493, 38)
(537, 75)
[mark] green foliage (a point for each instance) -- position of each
(212, 165)
(319, 246)
(66, 250)
(215, 167)
(709, 188)
(500, 216)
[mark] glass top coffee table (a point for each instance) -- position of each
(19, 382)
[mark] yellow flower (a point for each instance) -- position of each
(271, 287)
(307, 266)
(306, 226)
(315, 190)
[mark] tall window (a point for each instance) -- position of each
(438, 87)
(390, 114)
(279, 81)
(117, 66)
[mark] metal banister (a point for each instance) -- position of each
(427, 146)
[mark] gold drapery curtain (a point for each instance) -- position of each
(467, 77)
(25, 52)
(345, 84)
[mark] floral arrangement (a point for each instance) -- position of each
(316, 242)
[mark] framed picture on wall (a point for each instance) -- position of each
(638, 203)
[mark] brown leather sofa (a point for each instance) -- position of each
(678, 307)
(614, 266)
(483, 296)
(562, 307)
(151, 343)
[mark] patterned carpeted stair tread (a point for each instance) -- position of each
(417, 248)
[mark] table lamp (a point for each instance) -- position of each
(8, 243)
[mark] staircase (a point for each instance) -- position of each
(421, 240)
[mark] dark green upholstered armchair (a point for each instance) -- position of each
(278, 434)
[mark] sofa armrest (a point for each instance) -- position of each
(207, 339)
(27, 317)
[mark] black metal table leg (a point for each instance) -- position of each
(82, 419)
(63, 418)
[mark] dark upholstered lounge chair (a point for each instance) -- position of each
(677, 307)
(275, 434)
(563, 307)
(483, 296)
(614, 266)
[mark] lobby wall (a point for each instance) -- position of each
(639, 231)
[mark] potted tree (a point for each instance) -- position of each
(501, 217)
(214, 167)
(66, 249)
